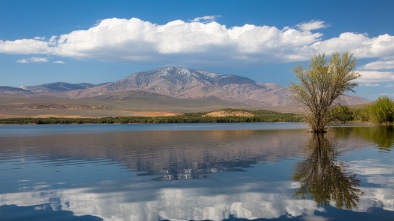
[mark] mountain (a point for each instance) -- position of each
(13, 90)
(172, 86)
(184, 83)
(57, 87)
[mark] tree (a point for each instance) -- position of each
(342, 113)
(320, 87)
(382, 110)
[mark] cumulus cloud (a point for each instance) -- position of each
(370, 85)
(372, 72)
(32, 60)
(199, 40)
(312, 25)
(137, 40)
(39, 38)
(209, 18)
(375, 76)
(23, 61)
(360, 45)
(38, 59)
(25, 46)
(387, 63)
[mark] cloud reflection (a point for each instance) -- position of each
(261, 191)
(167, 203)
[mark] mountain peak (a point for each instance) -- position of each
(178, 72)
(181, 83)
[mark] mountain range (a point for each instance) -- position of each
(174, 82)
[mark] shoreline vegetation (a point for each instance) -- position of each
(220, 116)
(365, 115)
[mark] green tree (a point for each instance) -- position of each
(320, 87)
(342, 113)
(382, 111)
(361, 113)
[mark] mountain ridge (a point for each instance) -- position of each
(189, 83)
(58, 87)
(181, 83)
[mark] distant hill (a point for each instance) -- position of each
(13, 90)
(184, 83)
(176, 83)
(57, 87)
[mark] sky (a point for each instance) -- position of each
(98, 41)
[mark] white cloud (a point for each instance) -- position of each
(209, 18)
(370, 85)
(137, 40)
(200, 40)
(39, 38)
(312, 25)
(58, 62)
(32, 60)
(23, 61)
(375, 76)
(359, 44)
(387, 63)
(390, 85)
(38, 60)
(25, 46)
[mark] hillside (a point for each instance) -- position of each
(57, 87)
(5, 90)
(183, 83)
(161, 91)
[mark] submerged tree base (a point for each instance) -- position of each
(320, 131)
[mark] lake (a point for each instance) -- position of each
(239, 171)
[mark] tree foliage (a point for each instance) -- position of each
(381, 111)
(342, 113)
(321, 85)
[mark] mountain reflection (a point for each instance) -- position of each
(168, 155)
(100, 174)
(321, 175)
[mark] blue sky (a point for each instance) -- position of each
(75, 41)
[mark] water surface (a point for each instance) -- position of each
(259, 171)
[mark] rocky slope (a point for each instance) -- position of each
(174, 82)
(185, 83)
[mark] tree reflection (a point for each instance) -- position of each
(383, 136)
(324, 177)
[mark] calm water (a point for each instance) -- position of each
(262, 171)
